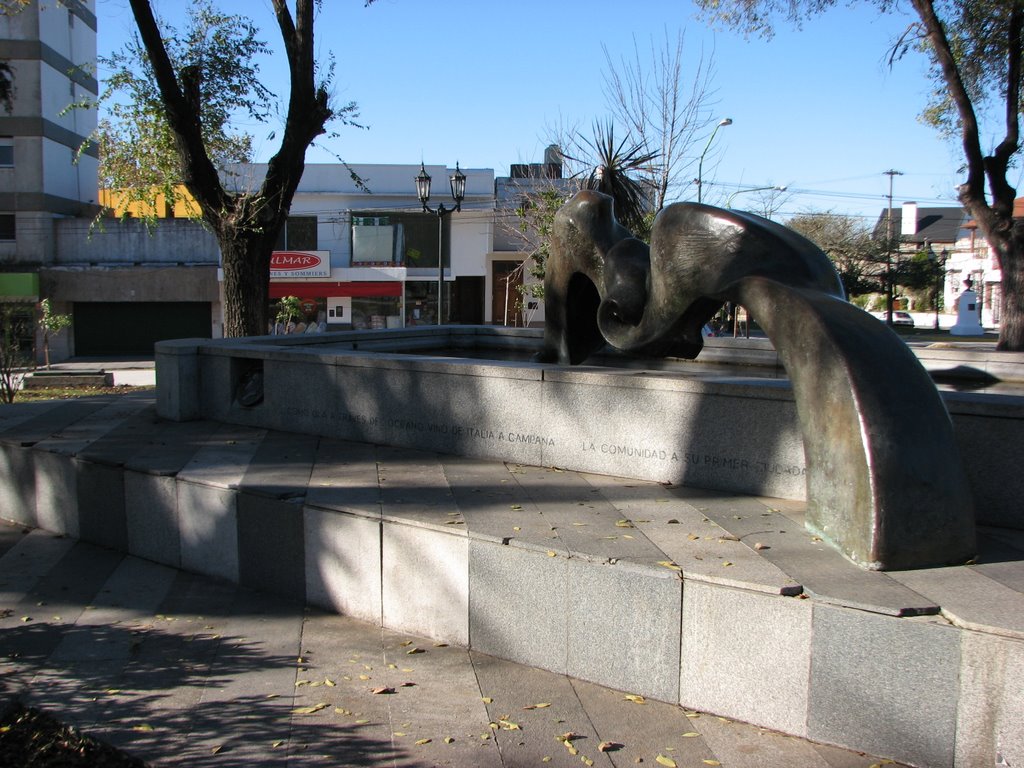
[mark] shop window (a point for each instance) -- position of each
(402, 239)
(6, 152)
(297, 234)
(376, 312)
(421, 302)
(7, 228)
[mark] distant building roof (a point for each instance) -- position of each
(936, 225)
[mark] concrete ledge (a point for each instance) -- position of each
(702, 427)
(41, 379)
(709, 600)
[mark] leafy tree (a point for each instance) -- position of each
(976, 51)
(138, 156)
(288, 307)
(210, 66)
(858, 258)
(532, 225)
(15, 330)
(50, 324)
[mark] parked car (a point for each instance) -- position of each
(902, 318)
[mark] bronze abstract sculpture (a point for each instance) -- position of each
(885, 483)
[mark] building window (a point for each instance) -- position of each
(401, 239)
(6, 152)
(7, 230)
(297, 234)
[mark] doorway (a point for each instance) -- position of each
(506, 299)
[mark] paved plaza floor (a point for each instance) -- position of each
(179, 669)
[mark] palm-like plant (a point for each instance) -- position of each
(619, 172)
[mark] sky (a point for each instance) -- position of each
(489, 83)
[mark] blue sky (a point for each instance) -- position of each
(485, 82)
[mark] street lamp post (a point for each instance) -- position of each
(700, 163)
(457, 182)
(939, 262)
(732, 197)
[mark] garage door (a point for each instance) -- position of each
(132, 328)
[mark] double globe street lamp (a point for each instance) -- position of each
(457, 182)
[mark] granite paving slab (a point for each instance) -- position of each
(281, 466)
(346, 478)
(497, 508)
(587, 523)
(640, 730)
(702, 549)
(225, 457)
(822, 571)
(13, 415)
(413, 490)
(970, 599)
(48, 421)
(80, 434)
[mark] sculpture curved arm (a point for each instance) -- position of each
(885, 481)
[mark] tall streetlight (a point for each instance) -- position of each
(888, 250)
(700, 163)
(732, 197)
(939, 262)
(457, 182)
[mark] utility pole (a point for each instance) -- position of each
(888, 250)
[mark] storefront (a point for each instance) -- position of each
(344, 304)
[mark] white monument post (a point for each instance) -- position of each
(967, 313)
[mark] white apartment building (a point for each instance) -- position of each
(51, 50)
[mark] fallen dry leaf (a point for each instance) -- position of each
(668, 762)
(309, 710)
(545, 705)
(609, 746)
(690, 734)
(381, 689)
(635, 698)
(421, 742)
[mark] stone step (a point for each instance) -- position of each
(178, 669)
(709, 600)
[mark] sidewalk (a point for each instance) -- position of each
(179, 669)
(128, 371)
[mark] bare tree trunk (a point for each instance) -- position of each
(1011, 300)
(246, 265)
(996, 219)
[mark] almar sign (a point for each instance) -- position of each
(292, 264)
